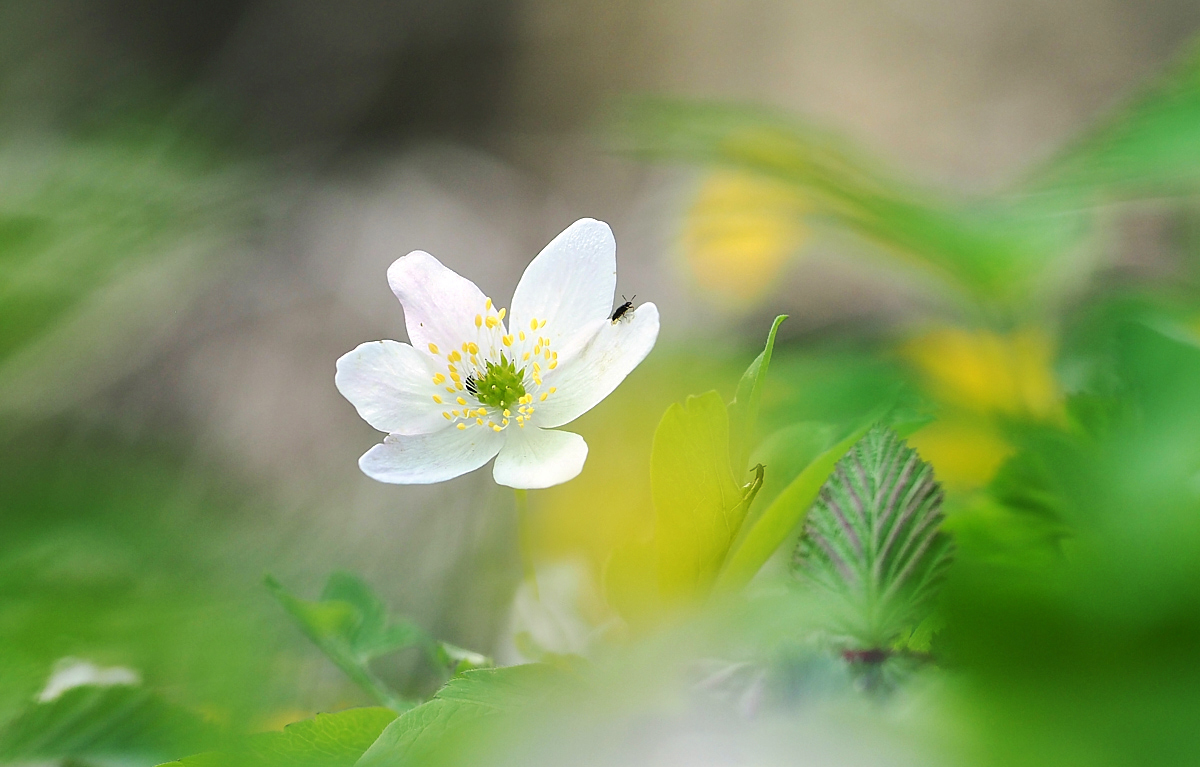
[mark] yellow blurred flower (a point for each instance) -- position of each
(987, 372)
(739, 234)
(964, 453)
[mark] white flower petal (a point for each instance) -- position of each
(439, 304)
(429, 458)
(391, 386)
(570, 284)
(598, 368)
(533, 458)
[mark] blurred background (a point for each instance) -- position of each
(199, 202)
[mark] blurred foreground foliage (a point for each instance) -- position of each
(969, 541)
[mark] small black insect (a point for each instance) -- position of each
(623, 310)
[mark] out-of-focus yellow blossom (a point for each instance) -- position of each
(987, 372)
(966, 453)
(739, 233)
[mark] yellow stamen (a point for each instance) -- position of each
(500, 314)
(507, 414)
(492, 322)
(533, 324)
(454, 356)
(433, 349)
(437, 399)
(525, 357)
(473, 348)
(478, 320)
(438, 379)
(507, 340)
(522, 335)
(542, 324)
(496, 428)
(553, 389)
(462, 426)
(462, 401)
(487, 304)
(544, 396)
(479, 421)
(450, 389)
(447, 415)
(504, 422)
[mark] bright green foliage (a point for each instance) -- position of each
(872, 543)
(467, 701)
(326, 740)
(126, 723)
(743, 411)
(698, 505)
(351, 625)
(771, 528)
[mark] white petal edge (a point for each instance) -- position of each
(430, 458)
(599, 367)
(535, 458)
(570, 284)
(391, 386)
(439, 304)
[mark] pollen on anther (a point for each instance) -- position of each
(487, 304)
(544, 396)
(472, 347)
(533, 324)
(500, 313)
(437, 399)
(462, 426)
(447, 415)
(433, 348)
(449, 389)
(525, 357)
(521, 335)
(507, 340)
(497, 428)
(438, 379)
(506, 413)
(462, 401)
(504, 422)
(553, 364)
(492, 322)
(553, 389)
(479, 421)
(454, 356)
(478, 320)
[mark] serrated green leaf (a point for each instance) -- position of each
(873, 543)
(697, 504)
(326, 740)
(124, 723)
(743, 411)
(465, 700)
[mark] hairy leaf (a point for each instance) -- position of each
(326, 740)
(872, 542)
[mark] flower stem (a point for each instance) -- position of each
(526, 540)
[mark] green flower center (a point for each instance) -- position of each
(501, 385)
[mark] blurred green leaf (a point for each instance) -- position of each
(873, 542)
(123, 723)
(698, 505)
(326, 740)
(743, 410)
(351, 626)
(468, 699)
(995, 249)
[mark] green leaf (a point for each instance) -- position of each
(743, 411)
(125, 723)
(326, 740)
(873, 543)
(771, 528)
(698, 505)
(464, 702)
(351, 626)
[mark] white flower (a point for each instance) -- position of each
(471, 387)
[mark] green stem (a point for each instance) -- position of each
(526, 540)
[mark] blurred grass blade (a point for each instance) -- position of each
(995, 249)
(873, 542)
(1149, 147)
(771, 529)
(326, 740)
(123, 724)
(743, 411)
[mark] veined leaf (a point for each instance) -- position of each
(872, 543)
(426, 731)
(743, 411)
(698, 505)
(326, 740)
